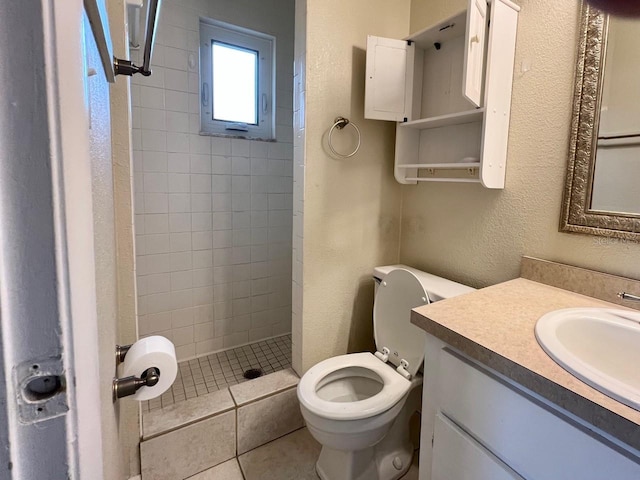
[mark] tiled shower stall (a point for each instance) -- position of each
(213, 214)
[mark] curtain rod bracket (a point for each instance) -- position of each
(126, 67)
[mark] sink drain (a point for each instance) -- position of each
(253, 373)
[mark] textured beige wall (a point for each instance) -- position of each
(127, 416)
(105, 254)
(352, 206)
(477, 236)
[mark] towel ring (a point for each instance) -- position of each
(340, 123)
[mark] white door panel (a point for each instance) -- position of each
(389, 77)
(57, 248)
(98, 103)
(474, 51)
(47, 298)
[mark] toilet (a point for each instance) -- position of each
(358, 406)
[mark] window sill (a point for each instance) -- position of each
(237, 135)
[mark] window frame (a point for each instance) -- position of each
(220, 32)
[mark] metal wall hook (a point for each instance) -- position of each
(340, 123)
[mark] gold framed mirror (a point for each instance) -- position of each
(602, 187)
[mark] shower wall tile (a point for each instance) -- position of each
(214, 215)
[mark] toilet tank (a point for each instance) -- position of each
(437, 288)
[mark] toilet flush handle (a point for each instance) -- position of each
(402, 369)
(384, 355)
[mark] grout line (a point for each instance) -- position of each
(271, 441)
(190, 359)
(244, 475)
(267, 395)
(189, 423)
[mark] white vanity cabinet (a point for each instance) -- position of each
(449, 89)
(477, 425)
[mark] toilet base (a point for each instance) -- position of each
(362, 465)
(387, 460)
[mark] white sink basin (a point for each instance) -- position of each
(599, 346)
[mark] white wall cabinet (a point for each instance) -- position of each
(477, 425)
(449, 89)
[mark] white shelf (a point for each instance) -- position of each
(457, 118)
(442, 32)
(448, 166)
(451, 180)
(452, 66)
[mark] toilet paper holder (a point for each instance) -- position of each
(123, 387)
(121, 352)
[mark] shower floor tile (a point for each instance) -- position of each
(220, 370)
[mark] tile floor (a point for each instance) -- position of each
(221, 370)
(291, 457)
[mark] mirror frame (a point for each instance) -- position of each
(577, 215)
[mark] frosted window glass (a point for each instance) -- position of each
(235, 74)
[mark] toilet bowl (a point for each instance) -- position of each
(358, 406)
(349, 402)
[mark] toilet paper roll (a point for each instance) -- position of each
(155, 351)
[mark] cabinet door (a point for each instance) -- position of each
(457, 456)
(474, 51)
(388, 86)
(538, 441)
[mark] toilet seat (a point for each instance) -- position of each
(359, 406)
(394, 387)
(399, 292)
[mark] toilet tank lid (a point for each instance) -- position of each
(437, 288)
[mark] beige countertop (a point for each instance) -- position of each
(495, 326)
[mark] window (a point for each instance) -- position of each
(236, 81)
